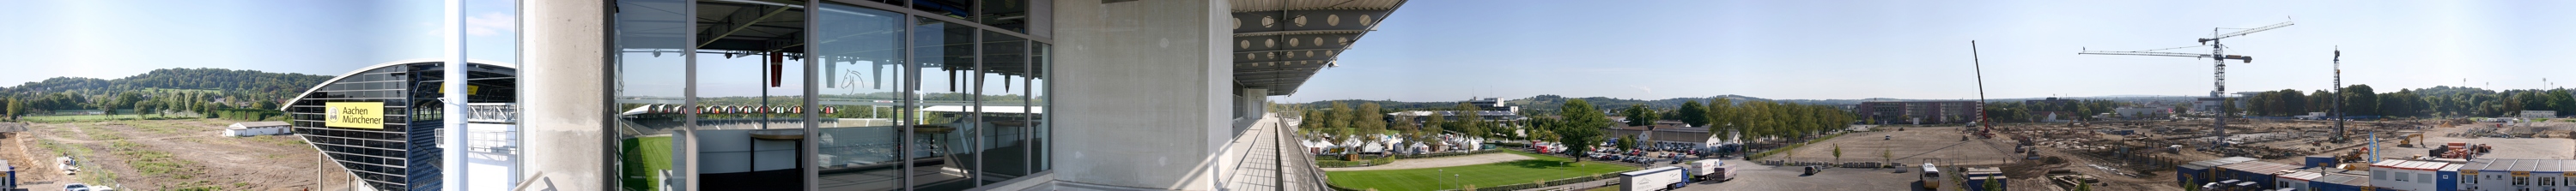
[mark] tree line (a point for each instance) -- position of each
(2361, 100)
(162, 91)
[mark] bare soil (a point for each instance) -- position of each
(168, 155)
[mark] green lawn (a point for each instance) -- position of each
(1494, 174)
(643, 158)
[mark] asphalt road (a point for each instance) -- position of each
(1761, 177)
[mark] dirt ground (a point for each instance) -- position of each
(1912, 146)
(2505, 148)
(165, 155)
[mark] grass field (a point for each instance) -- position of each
(1515, 172)
(643, 158)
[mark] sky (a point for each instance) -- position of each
(115, 39)
(1454, 50)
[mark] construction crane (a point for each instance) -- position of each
(2338, 98)
(2218, 53)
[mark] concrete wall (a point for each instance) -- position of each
(1142, 93)
(563, 46)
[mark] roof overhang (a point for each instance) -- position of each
(479, 65)
(1278, 44)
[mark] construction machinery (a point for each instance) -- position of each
(2217, 52)
(2409, 140)
(1989, 131)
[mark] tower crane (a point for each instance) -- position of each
(2217, 52)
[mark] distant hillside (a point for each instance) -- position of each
(175, 87)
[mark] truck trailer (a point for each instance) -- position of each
(1654, 179)
(1710, 170)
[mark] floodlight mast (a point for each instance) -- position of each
(2217, 52)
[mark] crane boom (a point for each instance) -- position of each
(2247, 59)
(2247, 31)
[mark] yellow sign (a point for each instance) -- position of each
(2469, 172)
(2567, 174)
(362, 115)
(469, 90)
(2521, 173)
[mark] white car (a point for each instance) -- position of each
(76, 187)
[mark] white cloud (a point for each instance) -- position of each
(488, 24)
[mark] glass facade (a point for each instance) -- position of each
(827, 95)
(401, 152)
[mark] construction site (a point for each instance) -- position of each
(2217, 150)
(2142, 154)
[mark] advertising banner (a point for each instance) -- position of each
(362, 115)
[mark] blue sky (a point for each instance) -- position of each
(114, 39)
(1452, 50)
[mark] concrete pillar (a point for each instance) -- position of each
(563, 44)
(1143, 93)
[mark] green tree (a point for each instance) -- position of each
(1369, 121)
(1639, 115)
(1580, 128)
(1338, 120)
(1626, 143)
(2084, 187)
(1886, 156)
(1723, 123)
(1994, 185)
(15, 106)
(1471, 122)
(1694, 114)
(1838, 152)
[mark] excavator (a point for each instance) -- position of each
(2409, 141)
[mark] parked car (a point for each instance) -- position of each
(76, 187)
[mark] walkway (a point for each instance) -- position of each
(1265, 152)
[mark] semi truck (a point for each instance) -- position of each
(1710, 170)
(1654, 179)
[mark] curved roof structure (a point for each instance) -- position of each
(1278, 44)
(282, 106)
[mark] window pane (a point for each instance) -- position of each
(944, 64)
(1004, 109)
(861, 57)
(960, 9)
(649, 87)
(1011, 15)
(755, 143)
(1038, 123)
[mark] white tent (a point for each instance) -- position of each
(1317, 147)
(1418, 147)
